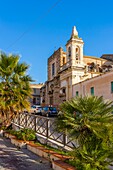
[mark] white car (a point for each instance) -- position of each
(36, 109)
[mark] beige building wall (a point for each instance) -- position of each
(101, 84)
(57, 60)
(36, 99)
(67, 70)
(90, 59)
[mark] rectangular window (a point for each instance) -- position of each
(63, 60)
(112, 87)
(53, 69)
(34, 90)
(92, 91)
(77, 93)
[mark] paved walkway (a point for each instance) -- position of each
(12, 158)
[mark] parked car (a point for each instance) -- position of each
(49, 111)
(36, 109)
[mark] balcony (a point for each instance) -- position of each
(62, 94)
(65, 66)
(71, 63)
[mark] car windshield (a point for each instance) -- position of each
(33, 106)
(52, 109)
(40, 108)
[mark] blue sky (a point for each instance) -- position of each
(46, 31)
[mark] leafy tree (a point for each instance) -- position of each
(14, 85)
(89, 121)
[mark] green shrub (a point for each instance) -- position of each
(88, 121)
(26, 135)
(23, 134)
(11, 131)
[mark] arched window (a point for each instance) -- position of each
(77, 53)
(69, 52)
(64, 61)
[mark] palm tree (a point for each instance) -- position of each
(14, 85)
(89, 121)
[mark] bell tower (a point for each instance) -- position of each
(74, 48)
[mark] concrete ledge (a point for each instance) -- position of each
(60, 165)
(18, 143)
(1, 132)
(39, 150)
(55, 158)
(43, 152)
(8, 135)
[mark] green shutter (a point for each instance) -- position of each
(112, 87)
(77, 93)
(92, 91)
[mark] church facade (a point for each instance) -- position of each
(65, 69)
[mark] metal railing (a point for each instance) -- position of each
(44, 127)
